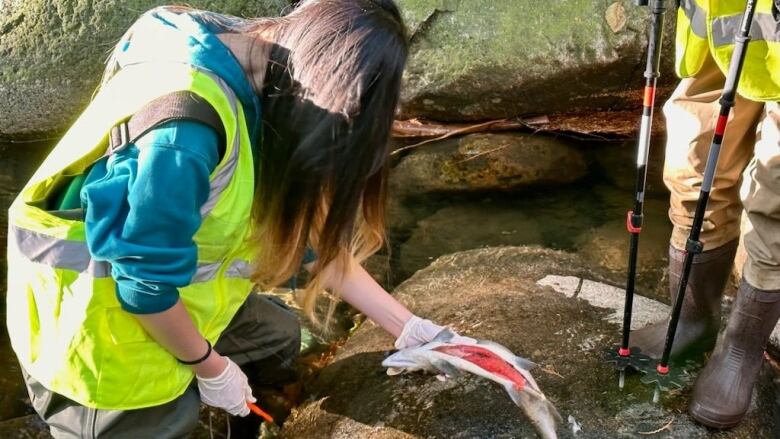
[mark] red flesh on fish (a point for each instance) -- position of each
(487, 360)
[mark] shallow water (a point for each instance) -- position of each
(587, 218)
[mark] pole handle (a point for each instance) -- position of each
(259, 412)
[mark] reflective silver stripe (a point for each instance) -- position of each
(55, 252)
(75, 256)
(765, 28)
(237, 269)
(224, 175)
(696, 16)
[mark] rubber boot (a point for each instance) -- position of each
(699, 322)
(723, 390)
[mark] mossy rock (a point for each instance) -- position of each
(53, 52)
(488, 163)
(470, 59)
(483, 59)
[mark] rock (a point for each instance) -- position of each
(469, 60)
(487, 162)
(618, 164)
(601, 295)
(53, 55)
(378, 266)
(465, 226)
(607, 246)
(493, 294)
(483, 59)
(28, 427)
(14, 400)
(401, 217)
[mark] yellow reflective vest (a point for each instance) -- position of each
(64, 320)
(709, 26)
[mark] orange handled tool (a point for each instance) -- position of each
(259, 412)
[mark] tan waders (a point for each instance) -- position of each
(747, 177)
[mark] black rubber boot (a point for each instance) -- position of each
(699, 322)
(722, 393)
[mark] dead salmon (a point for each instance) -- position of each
(486, 359)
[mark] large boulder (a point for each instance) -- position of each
(53, 53)
(469, 60)
(487, 162)
(561, 322)
(482, 59)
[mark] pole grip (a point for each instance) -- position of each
(655, 40)
(738, 56)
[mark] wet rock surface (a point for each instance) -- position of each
(487, 162)
(587, 217)
(607, 247)
(26, 427)
(483, 59)
(464, 227)
(619, 164)
(493, 294)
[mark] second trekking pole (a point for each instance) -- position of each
(662, 375)
(623, 356)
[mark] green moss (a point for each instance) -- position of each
(53, 53)
(468, 53)
(41, 38)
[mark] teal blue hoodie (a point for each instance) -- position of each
(142, 205)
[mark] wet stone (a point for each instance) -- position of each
(494, 294)
(28, 427)
(607, 246)
(487, 162)
(465, 226)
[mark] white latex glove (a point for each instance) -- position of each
(229, 390)
(419, 331)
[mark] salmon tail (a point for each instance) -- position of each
(538, 409)
(554, 411)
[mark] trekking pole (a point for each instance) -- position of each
(622, 357)
(662, 376)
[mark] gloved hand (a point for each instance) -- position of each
(419, 331)
(229, 390)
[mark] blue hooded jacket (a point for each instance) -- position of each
(142, 204)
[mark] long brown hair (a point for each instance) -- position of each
(330, 94)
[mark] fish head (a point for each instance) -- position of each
(410, 360)
(418, 358)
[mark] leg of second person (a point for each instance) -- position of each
(724, 388)
(691, 114)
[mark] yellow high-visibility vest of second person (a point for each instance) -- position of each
(710, 26)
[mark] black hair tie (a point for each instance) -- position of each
(199, 360)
